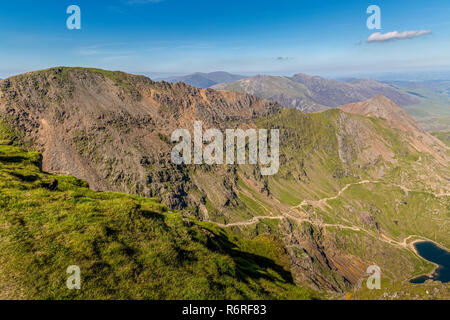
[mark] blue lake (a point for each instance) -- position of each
(431, 252)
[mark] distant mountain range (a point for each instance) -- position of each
(205, 80)
(312, 93)
(427, 101)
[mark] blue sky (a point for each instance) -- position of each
(241, 36)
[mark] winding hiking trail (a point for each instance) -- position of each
(324, 200)
(287, 215)
(295, 213)
(249, 222)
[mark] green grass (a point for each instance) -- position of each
(128, 247)
(390, 290)
(443, 136)
(398, 215)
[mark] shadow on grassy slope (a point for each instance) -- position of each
(127, 247)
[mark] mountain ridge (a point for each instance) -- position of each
(275, 88)
(312, 93)
(382, 107)
(205, 80)
(339, 93)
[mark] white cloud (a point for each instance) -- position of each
(395, 35)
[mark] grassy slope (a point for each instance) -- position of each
(432, 290)
(310, 166)
(126, 246)
(398, 214)
(443, 136)
(434, 111)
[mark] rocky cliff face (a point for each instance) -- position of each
(113, 129)
(347, 182)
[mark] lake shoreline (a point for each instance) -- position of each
(439, 253)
